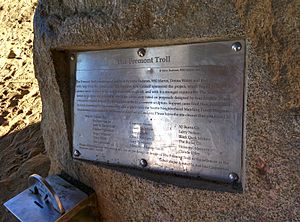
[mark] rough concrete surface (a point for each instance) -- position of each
(273, 100)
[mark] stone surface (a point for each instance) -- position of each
(273, 101)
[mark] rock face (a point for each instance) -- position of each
(273, 101)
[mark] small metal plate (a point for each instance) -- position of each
(175, 109)
(28, 207)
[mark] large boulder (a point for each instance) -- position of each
(273, 101)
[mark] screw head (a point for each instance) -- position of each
(143, 162)
(76, 153)
(150, 70)
(237, 46)
(233, 177)
(141, 52)
(72, 57)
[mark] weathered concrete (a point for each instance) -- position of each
(273, 101)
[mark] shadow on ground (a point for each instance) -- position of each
(22, 153)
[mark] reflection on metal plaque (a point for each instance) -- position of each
(175, 109)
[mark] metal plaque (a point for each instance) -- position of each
(175, 109)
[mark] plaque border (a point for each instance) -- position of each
(184, 181)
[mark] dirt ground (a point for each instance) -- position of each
(21, 144)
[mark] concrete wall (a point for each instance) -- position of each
(273, 101)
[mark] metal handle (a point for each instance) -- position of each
(45, 190)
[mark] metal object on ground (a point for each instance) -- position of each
(179, 107)
(44, 190)
(51, 199)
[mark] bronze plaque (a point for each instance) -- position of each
(176, 109)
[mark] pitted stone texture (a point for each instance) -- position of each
(272, 101)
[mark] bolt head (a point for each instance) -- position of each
(150, 70)
(141, 52)
(237, 46)
(233, 177)
(77, 153)
(143, 162)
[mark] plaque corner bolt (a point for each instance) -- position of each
(72, 57)
(143, 162)
(233, 177)
(237, 46)
(76, 153)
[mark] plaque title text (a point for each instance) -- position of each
(155, 59)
